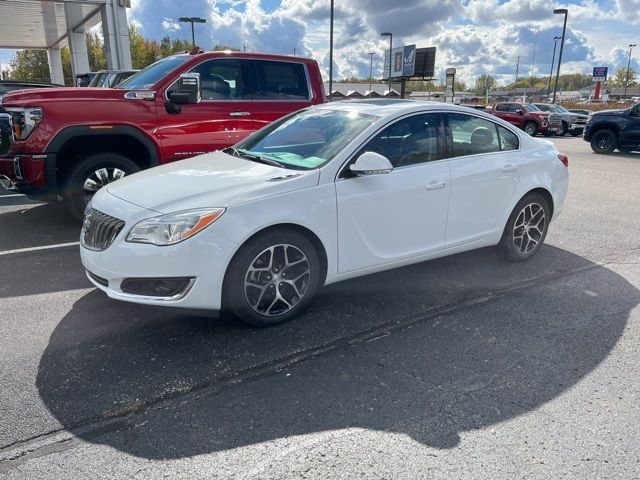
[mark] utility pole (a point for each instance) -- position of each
(192, 20)
(371, 54)
(294, 51)
(565, 12)
(515, 85)
(626, 82)
(555, 44)
(331, 52)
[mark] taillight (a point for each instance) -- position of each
(564, 159)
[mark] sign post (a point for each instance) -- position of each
(599, 76)
(450, 83)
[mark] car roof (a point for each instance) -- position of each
(383, 107)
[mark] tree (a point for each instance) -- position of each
(30, 65)
(484, 83)
(620, 77)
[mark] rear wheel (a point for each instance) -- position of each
(93, 172)
(604, 141)
(526, 228)
(272, 278)
(531, 128)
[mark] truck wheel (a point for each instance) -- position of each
(604, 141)
(531, 128)
(93, 172)
(563, 130)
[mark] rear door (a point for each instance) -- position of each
(485, 162)
(278, 88)
(631, 131)
(222, 118)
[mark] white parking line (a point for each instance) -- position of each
(35, 249)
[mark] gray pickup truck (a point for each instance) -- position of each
(572, 123)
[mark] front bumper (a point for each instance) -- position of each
(204, 258)
(32, 174)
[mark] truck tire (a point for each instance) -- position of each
(604, 141)
(563, 130)
(93, 172)
(531, 128)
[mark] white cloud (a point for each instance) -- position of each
(170, 25)
(629, 10)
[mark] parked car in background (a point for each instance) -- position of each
(73, 141)
(572, 123)
(110, 78)
(319, 197)
(608, 130)
(84, 79)
(7, 86)
(581, 112)
(528, 118)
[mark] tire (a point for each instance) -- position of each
(252, 295)
(531, 128)
(604, 141)
(525, 225)
(87, 169)
(563, 130)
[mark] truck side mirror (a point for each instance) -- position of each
(519, 111)
(187, 89)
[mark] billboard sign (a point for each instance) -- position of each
(403, 61)
(600, 74)
(449, 80)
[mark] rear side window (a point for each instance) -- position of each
(508, 139)
(281, 81)
(472, 135)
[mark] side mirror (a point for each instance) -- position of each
(187, 89)
(519, 112)
(370, 163)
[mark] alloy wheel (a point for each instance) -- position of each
(100, 178)
(604, 142)
(530, 129)
(277, 280)
(529, 228)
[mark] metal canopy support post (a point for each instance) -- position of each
(76, 39)
(115, 31)
(55, 66)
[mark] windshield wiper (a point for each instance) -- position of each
(253, 157)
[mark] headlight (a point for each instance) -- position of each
(25, 121)
(173, 227)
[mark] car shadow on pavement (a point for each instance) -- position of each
(430, 350)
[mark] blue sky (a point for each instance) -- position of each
(476, 36)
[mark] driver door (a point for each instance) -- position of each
(386, 218)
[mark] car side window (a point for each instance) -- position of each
(281, 81)
(472, 135)
(409, 141)
(508, 139)
(502, 107)
(221, 79)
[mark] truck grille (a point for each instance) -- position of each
(99, 230)
(555, 119)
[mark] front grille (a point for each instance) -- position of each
(99, 230)
(555, 118)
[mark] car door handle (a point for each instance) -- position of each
(435, 185)
(509, 168)
(240, 114)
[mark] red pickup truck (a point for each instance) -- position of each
(69, 142)
(528, 117)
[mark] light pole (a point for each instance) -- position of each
(565, 12)
(192, 20)
(371, 54)
(294, 51)
(331, 53)
(390, 35)
(553, 59)
(626, 82)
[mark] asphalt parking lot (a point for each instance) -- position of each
(463, 367)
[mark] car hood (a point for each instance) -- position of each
(210, 180)
(613, 111)
(41, 96)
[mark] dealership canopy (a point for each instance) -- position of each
(52, 24)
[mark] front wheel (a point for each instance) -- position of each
(93, 172)
(272, 278)
(604, 141)
(562, 131)
(526, 228)
(531, 128)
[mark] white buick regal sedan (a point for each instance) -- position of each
(325, 194)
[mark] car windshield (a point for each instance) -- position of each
(530, 108)
(151, 75)
(307, 139)
(560, 109)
